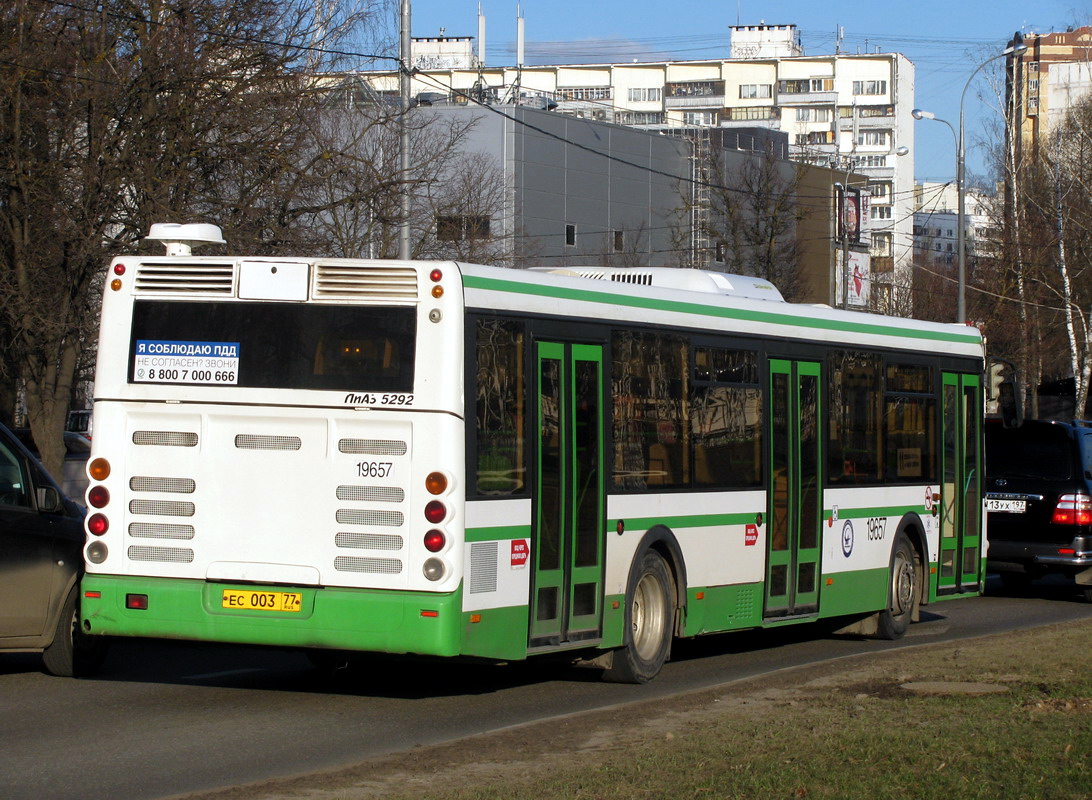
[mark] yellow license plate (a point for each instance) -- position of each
(251, 600)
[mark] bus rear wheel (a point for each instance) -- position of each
(649, 618)
(904, 594)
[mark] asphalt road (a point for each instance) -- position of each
(167, 718)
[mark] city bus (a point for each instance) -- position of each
(449, 460)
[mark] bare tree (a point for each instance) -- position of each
(745, 210)
(126, 112)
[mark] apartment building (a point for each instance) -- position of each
(844, 112)
(1044, 82)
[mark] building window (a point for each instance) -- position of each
(873, 111)
(806, 85)
(870, 161)
(457, 227)
(755, 91)
(619, 241)
(813, 115)
(869, 87)
(879, 190)
(695, 89)
(750, 113)
(872, 137)
(570, 235)
(699, 118)
(585, 93)
(719, 252)
(650, 95)
(815, 137)
(881, 212)
(639, 117)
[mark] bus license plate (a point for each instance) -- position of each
(1006, 506)
(261, 601)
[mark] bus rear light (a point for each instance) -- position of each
(434, 569)
(436, 275)
(98, 496)
(1066, 551)
(1073, 509)
(428, 612)
(437, 291)
(92, 595)
(137, 601)
(119, 269)
(435, 512)
(436, 483)
(98, 524)
(115, 285)
(99, 469)
(97, 552)
(435, 541)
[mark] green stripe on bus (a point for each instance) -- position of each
(694, 521)
(586, 295)
(376, 620)
(500, 532)
(867, 513)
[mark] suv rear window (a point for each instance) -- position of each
(1032, 451)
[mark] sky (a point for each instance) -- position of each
(946, 41)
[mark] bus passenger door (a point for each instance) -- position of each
(795, 490)
(960, 495)
(570, 508)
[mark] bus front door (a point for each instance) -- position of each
(570, 507)
(795, 490)
(960, 498)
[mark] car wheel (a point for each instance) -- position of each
(73, 653)
(904, 592)
(650, 614)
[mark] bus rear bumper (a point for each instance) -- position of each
(367, 620)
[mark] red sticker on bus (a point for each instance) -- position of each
(520, 553)
(751, 537)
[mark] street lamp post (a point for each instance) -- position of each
(961, 193)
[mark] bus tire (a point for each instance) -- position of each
(73, 654)
(904, 592)
(649, 620)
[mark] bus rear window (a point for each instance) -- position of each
(273, 345)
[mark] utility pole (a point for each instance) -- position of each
(404, 138)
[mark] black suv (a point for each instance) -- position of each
(1039, 501)
(41, 562)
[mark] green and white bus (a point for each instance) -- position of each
(446, 459)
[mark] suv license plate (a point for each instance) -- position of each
(1006, 506)
(261, 601)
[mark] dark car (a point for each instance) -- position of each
(41, 563)
(1039, 501)
(77, 449)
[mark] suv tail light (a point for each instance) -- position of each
(1073, 509)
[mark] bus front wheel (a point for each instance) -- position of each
(905, 590)
(649, 618)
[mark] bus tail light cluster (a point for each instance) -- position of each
(436, 511)
(1073, 509)
(98, 496)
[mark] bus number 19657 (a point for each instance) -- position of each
(373, 469)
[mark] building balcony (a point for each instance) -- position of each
(883, 263)
(866, 123)
(768, 123)
(695, 101)
(807, 98)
